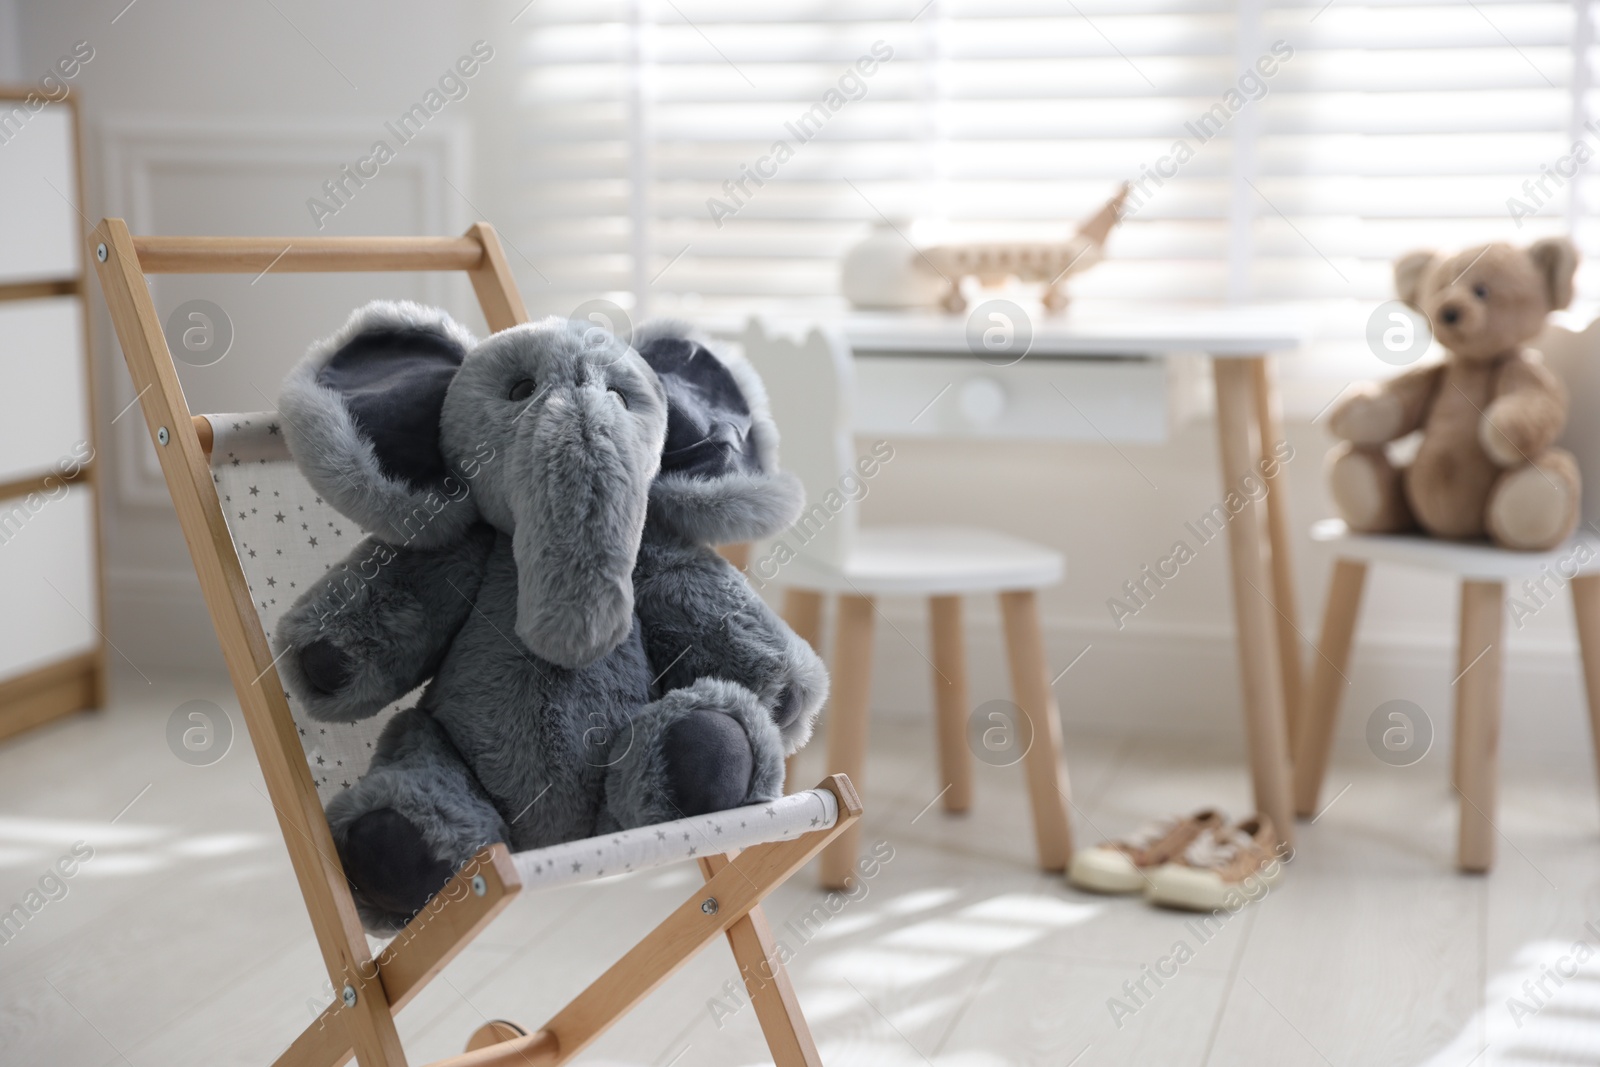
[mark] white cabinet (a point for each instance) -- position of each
(52, 657)
(40, 231)
(47, 571)
(42, 366)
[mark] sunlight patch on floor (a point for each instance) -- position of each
(1545, 1008)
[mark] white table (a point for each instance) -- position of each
(1116, 379)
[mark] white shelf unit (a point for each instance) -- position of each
(52, 648)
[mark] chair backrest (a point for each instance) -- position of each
(124, 264)
(1575, 357)
(287, 537)
(810, 379)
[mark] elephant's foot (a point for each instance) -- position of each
(705, 747)
(388, 863)
(708, 762)
(1535, 506)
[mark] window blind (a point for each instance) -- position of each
(1280, 151)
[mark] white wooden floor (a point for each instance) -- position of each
(183, 941)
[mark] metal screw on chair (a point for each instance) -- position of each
(709, 905)
(100, 251)
(162, 435)
(349, 996)
(479, 886)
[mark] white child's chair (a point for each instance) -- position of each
(811, 381)
(1484, 571)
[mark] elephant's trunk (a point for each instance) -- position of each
(583, 469)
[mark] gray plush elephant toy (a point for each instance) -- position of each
(541, 507)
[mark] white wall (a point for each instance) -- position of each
(202, 118)
(212, 118)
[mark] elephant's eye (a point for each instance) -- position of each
(614, 391)
(522, 390)
(1480, 291)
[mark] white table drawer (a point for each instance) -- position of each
(44, 543)
(1125, 400)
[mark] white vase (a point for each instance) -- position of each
(885, 271)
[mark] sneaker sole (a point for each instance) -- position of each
(1096, 872)
(1186, 889)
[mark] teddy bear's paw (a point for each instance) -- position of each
(1535, 506)
(1367, 417)
(389, 865)
(709, 762)
(1367, 490)
(1500, 430)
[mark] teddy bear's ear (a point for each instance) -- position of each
(361, 417)
(1557, 260)
(719, 480)
(1410, 273)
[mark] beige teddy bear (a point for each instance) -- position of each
(1489, 413)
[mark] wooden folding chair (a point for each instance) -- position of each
(217, 460)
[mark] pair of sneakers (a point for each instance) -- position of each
(1197, 862)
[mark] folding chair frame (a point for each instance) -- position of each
(361, 1019)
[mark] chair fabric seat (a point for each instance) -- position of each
(1579, 554)
(930, 561)
(287, 538)
(677, 841)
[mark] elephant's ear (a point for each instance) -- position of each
(719, 480)
(361, 416)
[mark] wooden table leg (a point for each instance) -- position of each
(802, 610)
(1478, 687)
(1327, 682)
(951, 703)
(1030, 685)
(848, 704)
(1261, 684)
(1269, 416)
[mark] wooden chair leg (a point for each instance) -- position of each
(1030, 686)
(1327, 682)
(494, 1032)
(802, 610)
(736, 553)
(1586, 608)
(951, 702)
(847, 723)
(449, 923)
(1478, 720)
(767, 981)
(728, 897)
